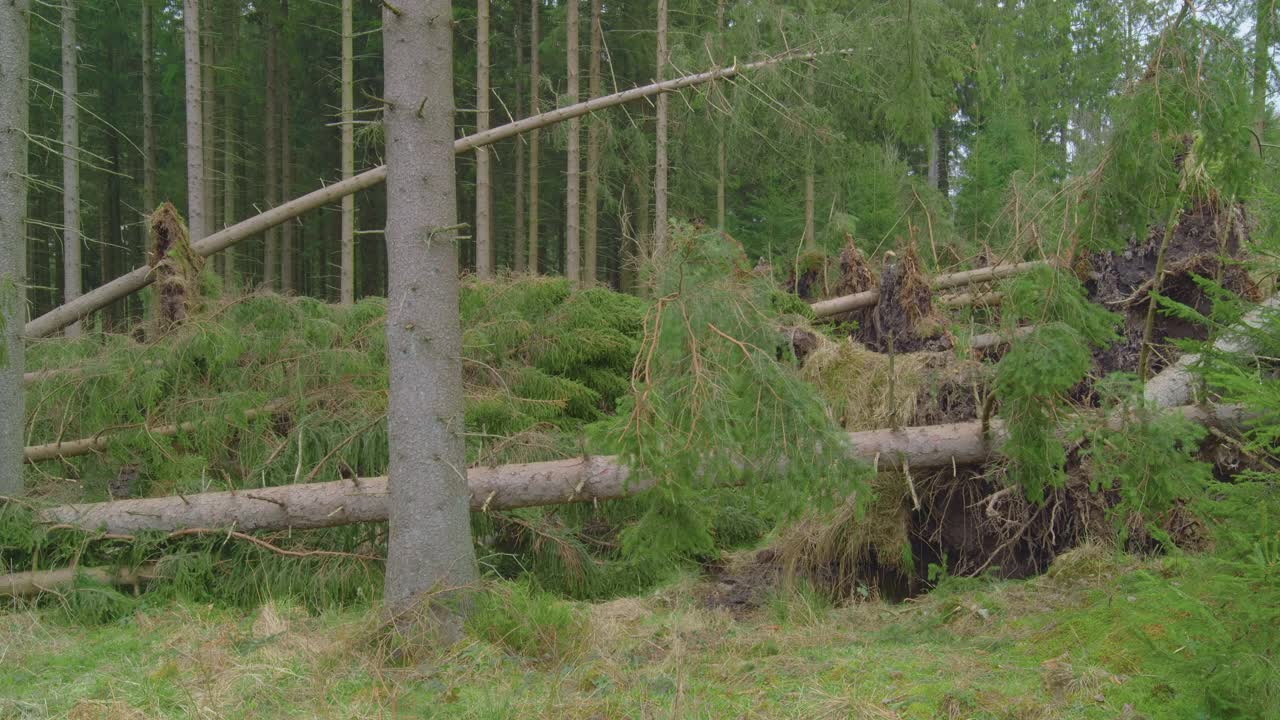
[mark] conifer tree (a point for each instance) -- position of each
(535, 85)
(347, 293)
(484, 173)
(71, 241)
(197, 223)
(14, 71)
(573, 237)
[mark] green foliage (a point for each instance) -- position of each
(528, 621)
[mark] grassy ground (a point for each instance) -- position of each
(1101, 636)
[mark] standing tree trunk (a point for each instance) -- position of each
(932, 172)
(70, 164)
(573, 211)
(943, 161)
(429, 552)
(148, 118)
(810, 237)
(13, 236)
(347, 281)
(722, 161)
(590, 271)
(207, 107)
(229, 105)
(484, 174)
(660, 142)
(286, 152)
(1263, 36)
(271, 171)
(534, 87)
(196, 219)
(518, 241)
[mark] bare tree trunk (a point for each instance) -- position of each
(230, 107)
(484, 173)
(347, 281)
(573, 210)
(13, 236)
(518, 240)
(197, 223)
(810, 236)
(644, 221)
(932, 172)
(71, 240)
(722, 161)
(286, 154)
(429, 552)
(535, 85)
(207, 107)
(271, 148)
(148, 116)
(1263, 23)
(590, 271)
(660, 142)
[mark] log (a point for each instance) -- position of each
(1175, 384)
(586, 479)
(28, 584)
(867, 298)
(135, 280)
(967, 299)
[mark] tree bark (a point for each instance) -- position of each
(430, 554)
(507, 487)
(71, 239)
(14, 71)
(868, 298)
(271, 148)
(518, 241)
(484, 173)
(196, 221)
(286, 153)
(207, 108)
(230, 108)
(347, 280)
(810, 236)
(721, 159)
(535, 86)
(30, 584)
(1263, 37)
(660, 141)
(148, 116)
(573, 209)
(591, 242)
(140, 277)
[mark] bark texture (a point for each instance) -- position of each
(535, 85)
(429, 547)
(592, 230)
(148, 115)
(286, 154)
(347, 281)
(721, 160)
(207, 108)
(518, 239)
(271, 148)
(573, 210)
(30, 584)
(230, 107)
(868, 298)
(661, 164)
(71, 240)
(484, 172)
(13, 246)
(196, 220)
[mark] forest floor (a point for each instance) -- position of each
(1102, 635)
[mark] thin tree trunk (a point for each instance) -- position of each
(644, 220)
(271, 148)
(484, 174)
(590, 271)
(430, 556)
(286, 154)
(573, 210)
(660, 141)
(347, 281)
(14, 71)
(197, 225)
(1263, 37)
(722, 161)
(943, 161)
(71, 241)
(230, 106)
(207, 108)
(810, 236)
(148, 117)
(932, 171)
(518, 242)
(535, 84)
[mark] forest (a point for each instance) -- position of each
(858, 359)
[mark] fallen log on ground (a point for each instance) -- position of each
(1175, 385)
(138, 278)
(867, 298)
(27, 584)
(586, 479)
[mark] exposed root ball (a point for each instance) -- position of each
(904, 319)
(177, 268)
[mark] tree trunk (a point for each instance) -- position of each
(196, 220)
(573, 210)
(71, 241)
(207, 106)
(484, 173)
(535, 85)
(722, 161)
(507, 487)
(286, 154)
(429, 550)
(347, 281)
(148, 117)
(942, 164)
(1263, 23)
(660, 141)
(644, 224)
(591, 250)
(13, 236)
(867, 298)
(518, 241)
(810, 237)
(140, 277)
(38, 582)
(230, 108)
(271, 148)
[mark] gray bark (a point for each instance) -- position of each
(13, 244)
(286, 163)
(591, 241)
(810, 238)
(660, 141)
(148, 116)
(71, 240)
(230, 107)
(518, 240)
(271, 148)
(348, 271)
(573, 210)
(207, 108)
(196, 221)
(535, 85)
(867, 298)
(721, 158)
(30, 584)
(430, 554)
(484, 173)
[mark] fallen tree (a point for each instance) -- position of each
(27, 584)
(585, 479)
(868, 298)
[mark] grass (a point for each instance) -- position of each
(1099, 634)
